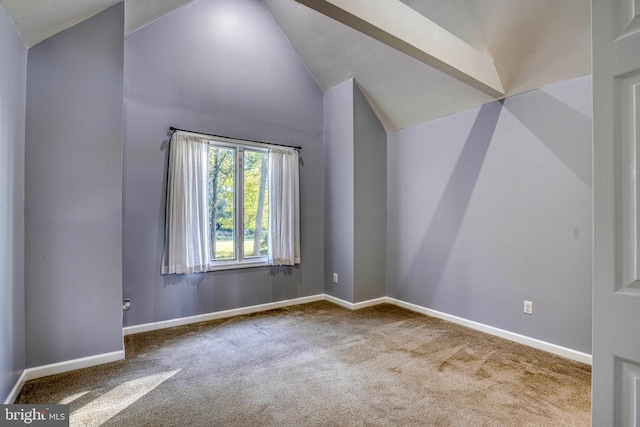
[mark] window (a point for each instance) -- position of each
(230, 204)
(238, 209)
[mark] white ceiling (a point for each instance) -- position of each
(38, 20)
(533, 43)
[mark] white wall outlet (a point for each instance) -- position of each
(528, 307)
(335, 277)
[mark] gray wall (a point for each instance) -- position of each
(73, 208)
(222, 67)
(355, 196)
(370, 201)
(13, 56)
(339, 190)
(491, 207)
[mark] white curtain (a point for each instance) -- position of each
(284, 207)
(186, 248)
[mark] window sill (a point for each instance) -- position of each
(237, 265)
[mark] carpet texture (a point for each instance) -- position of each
(321, 365)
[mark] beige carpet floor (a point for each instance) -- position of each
(321, 365)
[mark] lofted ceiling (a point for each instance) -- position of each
(532, 43)
(38, 20)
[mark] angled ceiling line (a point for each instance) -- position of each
(37, 20)
(397, 25)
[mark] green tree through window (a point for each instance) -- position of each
(255, 203)
(222, 201)
(238, 202)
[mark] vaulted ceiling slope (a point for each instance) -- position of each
(38, 20)
(532, 43)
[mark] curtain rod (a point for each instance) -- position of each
(297, 147)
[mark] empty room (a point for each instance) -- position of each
(319, 212)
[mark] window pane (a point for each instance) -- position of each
(222, 202)
(255, 201)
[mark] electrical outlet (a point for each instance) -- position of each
(528, 307)
(335, 278)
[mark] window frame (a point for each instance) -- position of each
(240, 261)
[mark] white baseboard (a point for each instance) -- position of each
(72, 365)
(59, 368)
(219, 315)
(511, 336)
(15, 391)
(85, 362)
(356, 305)
(338, 301)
